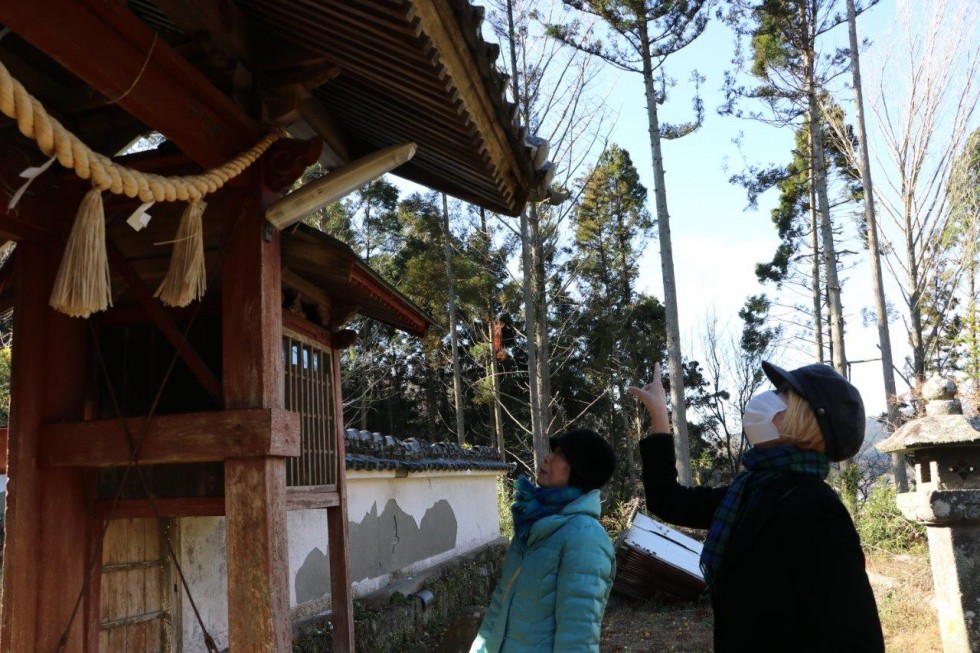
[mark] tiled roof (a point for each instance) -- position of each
(376, 452)
(408, 70)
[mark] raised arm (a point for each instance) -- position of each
(666, 498)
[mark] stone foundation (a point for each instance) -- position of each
(387, 621)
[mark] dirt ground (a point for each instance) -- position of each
(902, 586)
(632, 626)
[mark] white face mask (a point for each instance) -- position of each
(757, 420)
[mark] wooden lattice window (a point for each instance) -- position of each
(310, 392)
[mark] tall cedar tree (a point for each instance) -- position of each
(612, 226)
(447, 245)
(796, 261)
(643, 34)
(784, 56)
(874, 250)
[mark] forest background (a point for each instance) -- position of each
(583, 276)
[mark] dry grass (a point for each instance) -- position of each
(906, 602)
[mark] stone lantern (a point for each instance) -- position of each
(945, 450)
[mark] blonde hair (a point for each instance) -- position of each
(800, 424)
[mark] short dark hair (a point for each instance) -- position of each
(590, 457)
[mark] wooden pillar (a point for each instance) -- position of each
(255, 488)
(47, 522)
(341, 600)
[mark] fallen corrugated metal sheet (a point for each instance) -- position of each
(653, 558)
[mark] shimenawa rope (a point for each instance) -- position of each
(82, 285)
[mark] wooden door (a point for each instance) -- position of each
(138, 602)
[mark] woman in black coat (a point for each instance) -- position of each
(783, 561)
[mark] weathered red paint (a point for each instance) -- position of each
(255, 488)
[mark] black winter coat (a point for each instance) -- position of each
(792, 575)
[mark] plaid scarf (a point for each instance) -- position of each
(762, 467)
(531, 503)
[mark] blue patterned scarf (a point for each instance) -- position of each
(531, 503)
(762, 467)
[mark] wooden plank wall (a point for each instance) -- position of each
(137, 610)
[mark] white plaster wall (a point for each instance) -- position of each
(306, 530)
(202, 557)
(472, 495)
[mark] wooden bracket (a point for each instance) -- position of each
(286, 161)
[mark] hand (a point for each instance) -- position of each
(655, 401)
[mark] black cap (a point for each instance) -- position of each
(591, 458)
(836, 403)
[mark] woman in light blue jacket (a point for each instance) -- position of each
(560, 565)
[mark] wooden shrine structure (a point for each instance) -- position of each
(229, 405)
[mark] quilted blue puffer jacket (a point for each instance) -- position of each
(553, 589)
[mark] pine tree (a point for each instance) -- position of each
(791, 77)
(643, 34)
(612, 226)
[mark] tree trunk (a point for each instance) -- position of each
(916, 338)
(527, 263)
(815, 271)
(627, 434)
(367, 232)
(674, 359)
(973, 337)
(819, 166)
(366, 340)
(539, 284)
(498, 417)
(638, 425)
(884, 339)
(537, 434)
(838, 355)
(450, 279)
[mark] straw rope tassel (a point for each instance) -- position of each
(82, 286)
(186, 279)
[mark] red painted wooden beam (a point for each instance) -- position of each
(105, 45)
(414, 322)
(174, 438)
(18, 224)
(302, 498)
(141, 508)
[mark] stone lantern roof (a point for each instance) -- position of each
(943, 425)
